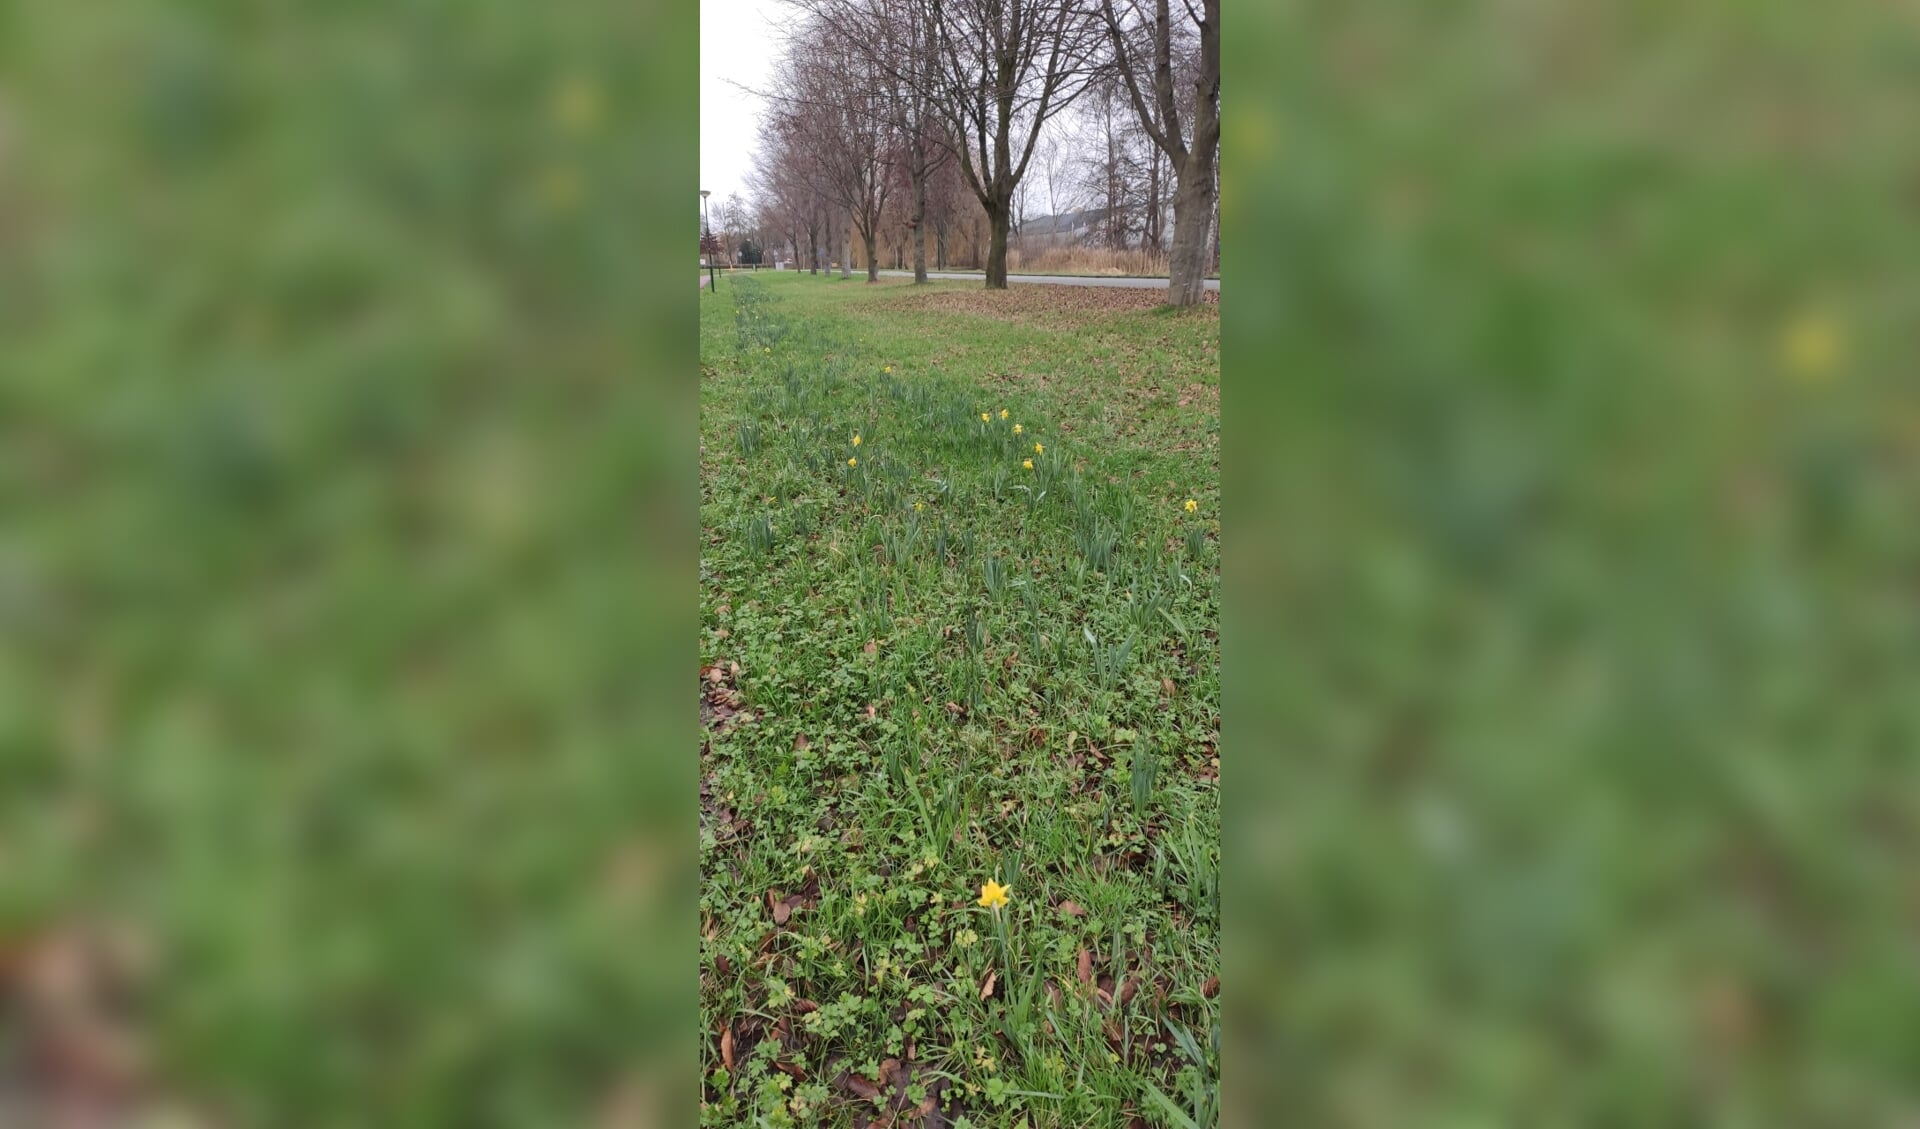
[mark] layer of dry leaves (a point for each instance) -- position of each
(74, 1056)
(1041, 303)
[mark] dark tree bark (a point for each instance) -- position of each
(1000, 224)
(1194, 154)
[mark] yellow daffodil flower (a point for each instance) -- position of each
(1192, 505)
(993, 894)
(853, 462)
(1812, 347)
(1027, 465)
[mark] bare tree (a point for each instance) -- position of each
(1053, 169)
(946, 196)
(1004, 68)
(1143, 55)
(827, 104)
(904, 59)
(1105, 166)
(735, 222)
(895, 39)
(785, 190)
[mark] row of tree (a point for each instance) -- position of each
(902, 111)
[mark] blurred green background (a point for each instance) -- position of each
(347, 510)
(1572, 738)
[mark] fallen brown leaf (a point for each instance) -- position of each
(857, 1086)
(1086, 967)
(1072, 909)
(987, 988)
(726, 1046)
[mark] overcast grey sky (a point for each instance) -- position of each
(739, 40)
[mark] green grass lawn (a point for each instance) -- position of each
(959, 625)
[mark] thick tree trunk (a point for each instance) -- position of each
(1192, 223)
(873, 264)
(1002, 220)
(846, 253)
(939, 247)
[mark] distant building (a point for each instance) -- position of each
(1065, 227)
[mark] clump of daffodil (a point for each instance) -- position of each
(984, 417)
(1039, 449)
(918, 506)
(851, 461)
(889, 368)
(575, 106)
(856, 439)
(1016, 429)
(1192, 506)
(1003, 413)
(994, 896)
(1026, 464)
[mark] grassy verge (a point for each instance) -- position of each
(958, 627)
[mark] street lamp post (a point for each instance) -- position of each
(707, 233)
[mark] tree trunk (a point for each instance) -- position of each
(919, 230)
(1002, 220)
(873, 264)
(846, 253)
(1150, 237)
(1192, 221)
(939, 247)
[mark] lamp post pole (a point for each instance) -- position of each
(707, 233)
